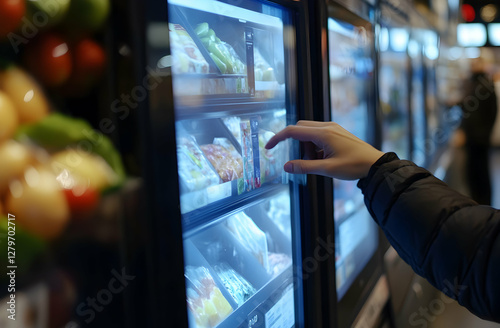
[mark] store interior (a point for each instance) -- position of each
(136, 189)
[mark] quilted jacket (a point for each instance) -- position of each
(443, 235)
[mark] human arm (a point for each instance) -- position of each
(445, 236)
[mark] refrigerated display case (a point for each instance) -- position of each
(351, 51)
(393, 83)
(352, 106)
(418, 109)
(235, 214)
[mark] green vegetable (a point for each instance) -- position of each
(211, 34)
(206, 41)
(201, 30)
(222, 67)
(58, 131)
(218, 50)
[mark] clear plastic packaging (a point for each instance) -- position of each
(278, 262)
(205, 300)
(250, 236)
(227, 162)
(233, 125)
(194, 170)
(239, 288)
(269, 158)
(187, 58)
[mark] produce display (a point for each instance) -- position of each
(56, 169)
(205, 300)
(222, 53)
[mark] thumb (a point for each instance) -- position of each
(300, 166)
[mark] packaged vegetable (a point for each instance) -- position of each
(250, 236)
(239, 288)
(187, 58)
(222, 53)
(204, 298)
(194, 170)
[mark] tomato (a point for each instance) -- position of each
(89, 62)
(82, 201)
(48, 57)
(11, 13)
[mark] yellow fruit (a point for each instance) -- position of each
(26, 95)
(38, 203)
(83, 168)
(220, 302)
(14, 159)
(211, 313)
(8, 117)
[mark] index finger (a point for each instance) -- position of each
(301, 133)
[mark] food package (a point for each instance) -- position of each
(194, 169)
(278, 262)
(233, 125)
(227, 162)
(269, 158)
(250, 236)
(250, 151)
(205, 300)
(279, 212)
(239, 288)
(263, 71)
(187, 58)
(222, 53)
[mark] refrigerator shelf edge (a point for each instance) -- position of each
(223, 9)
(253, 312)
(202, 218)
(217, 106)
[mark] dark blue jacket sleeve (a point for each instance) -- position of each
(445, 236)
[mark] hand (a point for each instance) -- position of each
(330, 150)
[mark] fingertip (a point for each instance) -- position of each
(288, 167)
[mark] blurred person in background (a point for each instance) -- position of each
(495, 136)
(479, 107)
